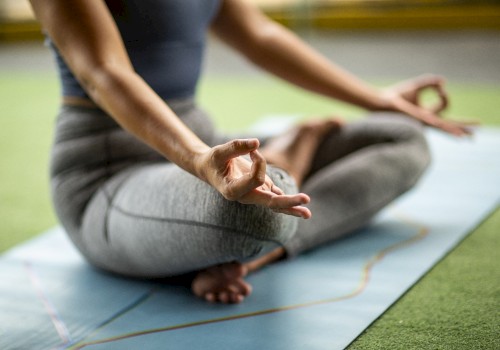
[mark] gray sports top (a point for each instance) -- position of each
(165, 40)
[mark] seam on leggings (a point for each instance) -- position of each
(193, 223)
(107, 176)
(109, 199)
(111, 205)
(107, 157)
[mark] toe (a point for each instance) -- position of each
(224, 297)
(236, 298)
(210, 297)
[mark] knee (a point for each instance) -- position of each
(417, 155)
(417, 163)
(262, 229)
(258, 227)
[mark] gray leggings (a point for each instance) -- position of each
(130, 211)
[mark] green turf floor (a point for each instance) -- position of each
(455, 306)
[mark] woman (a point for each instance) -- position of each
(145, 187)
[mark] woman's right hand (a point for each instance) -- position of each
(238, 179)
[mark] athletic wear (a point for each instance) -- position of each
(165, 41)
(130, 211)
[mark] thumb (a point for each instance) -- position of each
(234, 148)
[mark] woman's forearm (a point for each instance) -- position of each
(91, 45)
(134, 105)
(283, 54)
(279, 51)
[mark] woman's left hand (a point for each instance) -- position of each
(405, 97)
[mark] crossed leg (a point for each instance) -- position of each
(351, 172)
(293, 151)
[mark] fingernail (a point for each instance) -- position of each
(252, 143)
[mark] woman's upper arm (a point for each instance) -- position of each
(241, 25)
(84, 33)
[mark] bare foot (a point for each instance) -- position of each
(294, 150)
(224, 283)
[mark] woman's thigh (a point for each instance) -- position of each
(158, 220)
(130, 211)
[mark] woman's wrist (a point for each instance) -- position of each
(378, 100)
(361, 94)
(198, 160)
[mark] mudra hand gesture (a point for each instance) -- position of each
(239, 179)
(405, 97)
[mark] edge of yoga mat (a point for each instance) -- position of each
(323, 299)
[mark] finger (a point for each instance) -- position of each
(244, 184)
(449, 127)
(298, 211)
(258, 170)
(410, 89)
(454, 128)
(275, 189)
(436, 83)
(431, 119)
(413, 111)
(274, 201)
(278, 203)
(291, 205)
(288, 201)
(465, 122)
(428, 80)
(233, 149)
(443, 102)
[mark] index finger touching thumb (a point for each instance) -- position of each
(235, 148)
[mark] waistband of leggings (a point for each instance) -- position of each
(178, 105)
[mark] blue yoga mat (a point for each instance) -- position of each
(52, 299)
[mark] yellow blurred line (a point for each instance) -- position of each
(456, 17)
(355, 16)
(14, 31)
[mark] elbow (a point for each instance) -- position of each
(99, 78)
(266, 36)
(256, 41)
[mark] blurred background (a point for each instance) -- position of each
(382, 41)
(17, 20)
